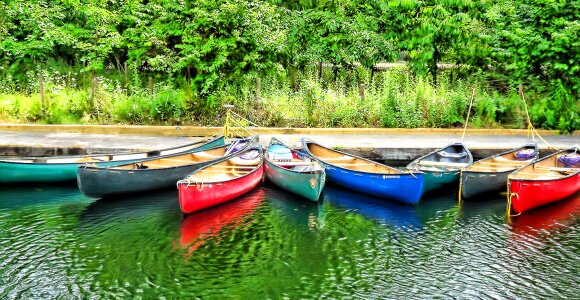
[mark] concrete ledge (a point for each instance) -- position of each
(205, 131)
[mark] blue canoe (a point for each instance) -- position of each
(366, 176)
(442, 166)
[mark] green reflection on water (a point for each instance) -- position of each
(270, 244)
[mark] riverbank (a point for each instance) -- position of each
(386, 144)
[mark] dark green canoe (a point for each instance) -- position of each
(64, 168)
(156, 173)
(294, 172)
(490, 174)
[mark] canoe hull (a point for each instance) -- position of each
(308, 184)
(103, 182)
(41, 172)
(528, 194)
(477, 183)
(198, 196)
(442, 166)
(32, 172)
(490, 174)
(436, 180)
(405, 188)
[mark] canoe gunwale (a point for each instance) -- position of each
(115, 167)
(275, 166)
(271, 163)
(253, 143)
(514, 150)
(31, 160)
(512, 176)
(415, 166)
(187, 182)
(325, 163)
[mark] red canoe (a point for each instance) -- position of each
(222, 181)
(550, 179)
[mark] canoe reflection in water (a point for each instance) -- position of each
(198, 227)
(548, 219)
(296, 211)
(480, 207)
(128, 213)
(21, 196)
(386, 212)
(543, 229)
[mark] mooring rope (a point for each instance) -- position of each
(531, 127)
(253, 124)
(460, 188)
(468, 112)
(509, 202)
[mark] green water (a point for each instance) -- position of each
(56, 243)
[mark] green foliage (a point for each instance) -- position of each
(173, 62)
(538, 44)
(341, 33)
(436, 32)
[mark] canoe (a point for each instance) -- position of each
(156, 173)
(296, 173)
(442, 166)
(547, 180)
(64, 168)
(490, 174)
(366, 176)
(222, 181)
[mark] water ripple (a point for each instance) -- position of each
(58, 244)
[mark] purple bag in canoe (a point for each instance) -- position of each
(525, 154)
(570, 160)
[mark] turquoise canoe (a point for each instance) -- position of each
(442, 166)
(293, 171)
(64, 168)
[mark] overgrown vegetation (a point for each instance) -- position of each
(172, 62)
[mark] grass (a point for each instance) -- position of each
(340, 98)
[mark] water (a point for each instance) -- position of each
(54, 242)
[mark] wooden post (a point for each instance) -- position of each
(361, 90)
(41, 88)
(258, 89)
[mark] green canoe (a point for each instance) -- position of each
(293, 172)
(64, 168)
(442, 166)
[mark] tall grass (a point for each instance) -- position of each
(339, 98)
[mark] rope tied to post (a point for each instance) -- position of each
(468, 112)
(531, 128)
